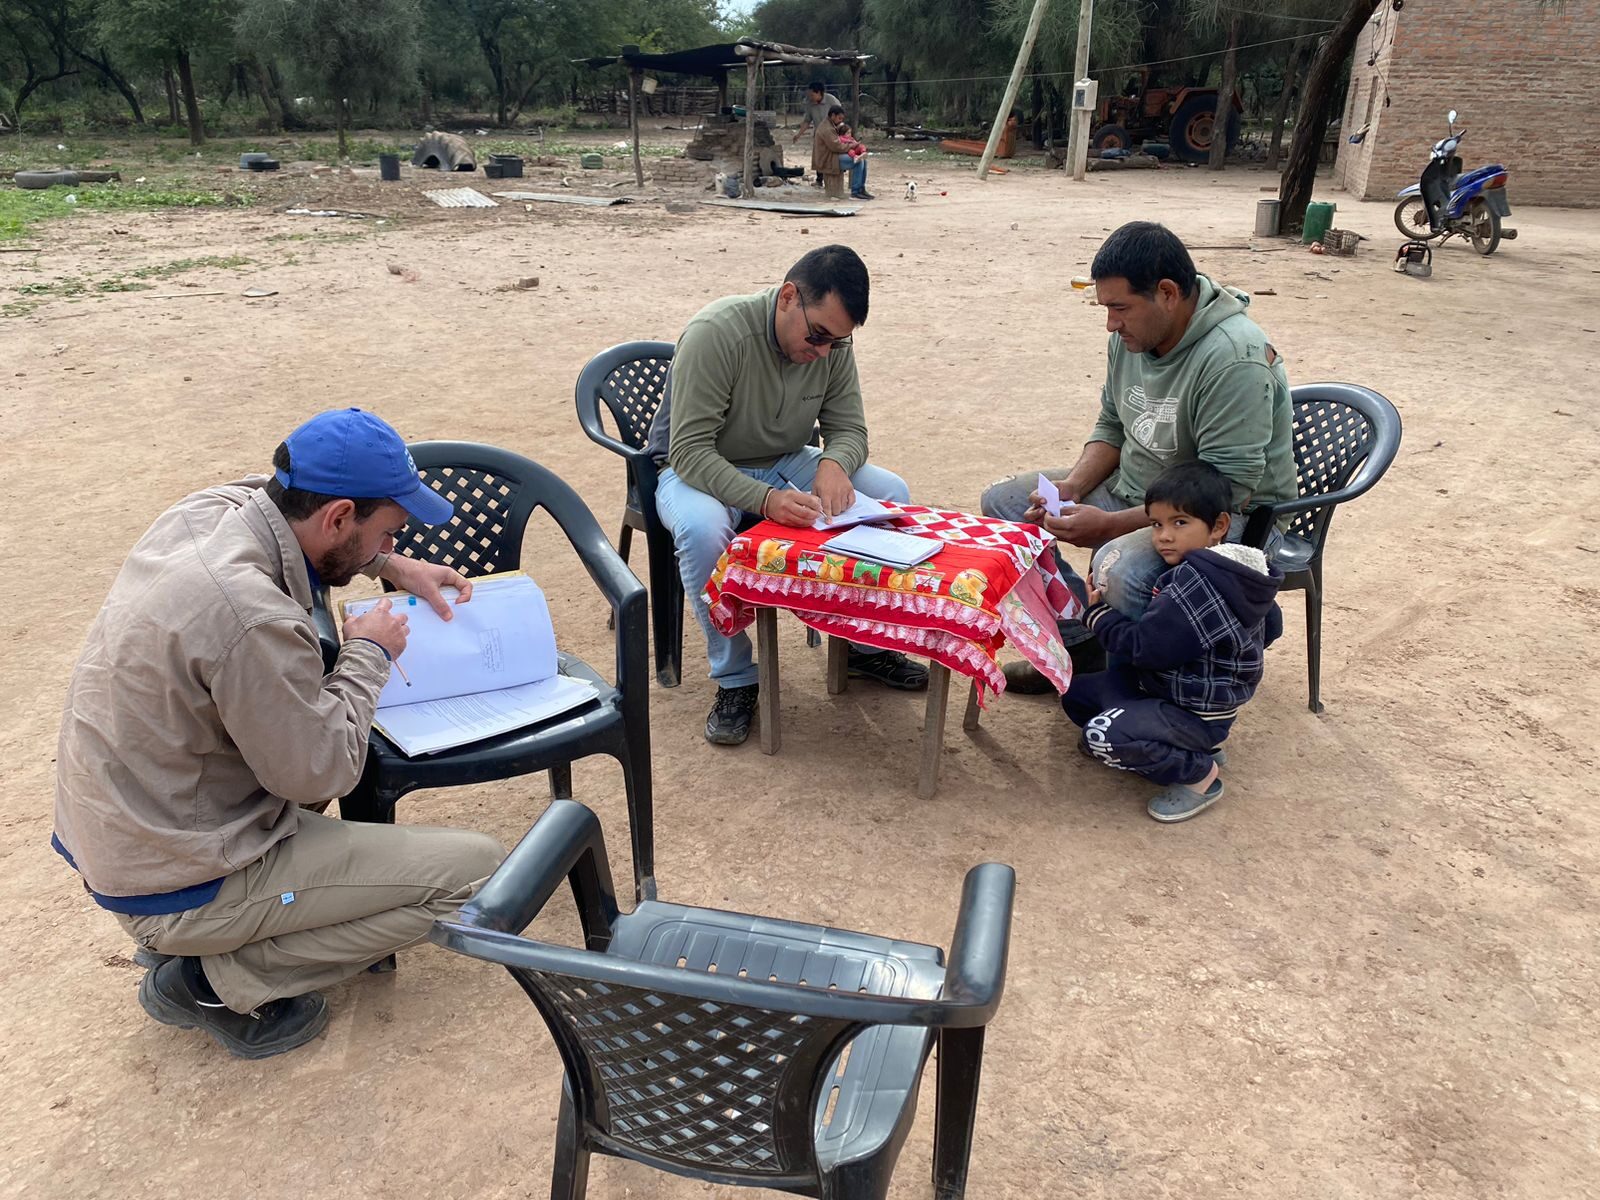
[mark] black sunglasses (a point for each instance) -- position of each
(819, 339)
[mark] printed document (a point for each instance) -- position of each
(488, 670)
(864, 511)
(886, 546)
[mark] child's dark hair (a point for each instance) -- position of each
(1196, 489)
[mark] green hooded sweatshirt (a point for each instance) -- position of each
(1220, 395)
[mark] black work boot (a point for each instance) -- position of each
(728, 723)
(890, 668)
(177, 993)
(149, 959)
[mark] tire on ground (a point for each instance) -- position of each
(444, 152)
(38, 180)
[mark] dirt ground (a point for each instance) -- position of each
(1370, 972)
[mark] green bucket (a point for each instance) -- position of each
(1319, 219)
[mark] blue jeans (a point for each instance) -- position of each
(702, 526)
(1127, 567)
(856, 168)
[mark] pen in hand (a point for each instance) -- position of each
(402, 671)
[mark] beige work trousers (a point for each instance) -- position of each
(322, 905)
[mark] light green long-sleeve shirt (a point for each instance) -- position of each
(733, 400)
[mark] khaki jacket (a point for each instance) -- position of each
(825, 150)
(198, 716)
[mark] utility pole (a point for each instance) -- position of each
(1078, 135)
(997, 130)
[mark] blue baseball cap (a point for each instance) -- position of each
(355, 455)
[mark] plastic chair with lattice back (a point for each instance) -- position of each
(495, 492)
(1345, 437)
(739, 1049)
(630, 379)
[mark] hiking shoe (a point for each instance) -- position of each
(862, 195)
(149, 959)
(1179, 803)
(890, 668)
(728, 723)
(171, 995)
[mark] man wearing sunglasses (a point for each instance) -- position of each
(752, 378)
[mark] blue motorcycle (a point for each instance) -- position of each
(1447, 203)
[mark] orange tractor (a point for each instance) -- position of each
(1183, 117)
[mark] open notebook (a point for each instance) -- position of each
(487, 671)
(886, 546)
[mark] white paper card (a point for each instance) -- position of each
(1051, 496)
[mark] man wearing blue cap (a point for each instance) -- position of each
(199, 721)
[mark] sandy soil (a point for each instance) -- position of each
(1369, 973)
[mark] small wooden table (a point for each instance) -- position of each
(839, 681)
(990, 583)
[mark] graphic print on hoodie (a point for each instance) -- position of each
(1200, 643)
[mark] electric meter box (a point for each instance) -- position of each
(1085, 95)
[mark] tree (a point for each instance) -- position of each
(1300, 171)
(45, 36)
(349, 47)
(167, 35)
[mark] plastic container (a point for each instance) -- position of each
(389, 167)
(251, 156)
(1267, 217)
(510, 165)
(592, 162)
(1319, 219)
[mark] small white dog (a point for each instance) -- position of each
(911, 190)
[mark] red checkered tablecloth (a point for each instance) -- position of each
(990, 583)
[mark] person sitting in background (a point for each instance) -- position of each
(835, 139)
(1194, 656)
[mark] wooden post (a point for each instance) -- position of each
(634, 74)
(767, 678)
(751, 68)
(722, 90)
(838, 665)
(933, 730)
(1024, 53)
(855, 103)
(969, 720)
(1078, 134)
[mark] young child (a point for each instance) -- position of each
(847, 139)
(1181, 671)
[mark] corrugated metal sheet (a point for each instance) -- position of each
(460, 198)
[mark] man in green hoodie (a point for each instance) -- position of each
(1189, 377)
(751, 378)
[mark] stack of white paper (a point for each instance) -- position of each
(490, 669)
(886, 546)
(864, 511)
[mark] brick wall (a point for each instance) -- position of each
(1523, 78)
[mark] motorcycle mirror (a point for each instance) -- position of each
(1451, 116)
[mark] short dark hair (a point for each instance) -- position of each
(1144, 253)
(1196, 489)
(837, 270)
(816, 85)
(837, 108)
(296, 504)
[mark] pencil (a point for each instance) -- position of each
(402, 671)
